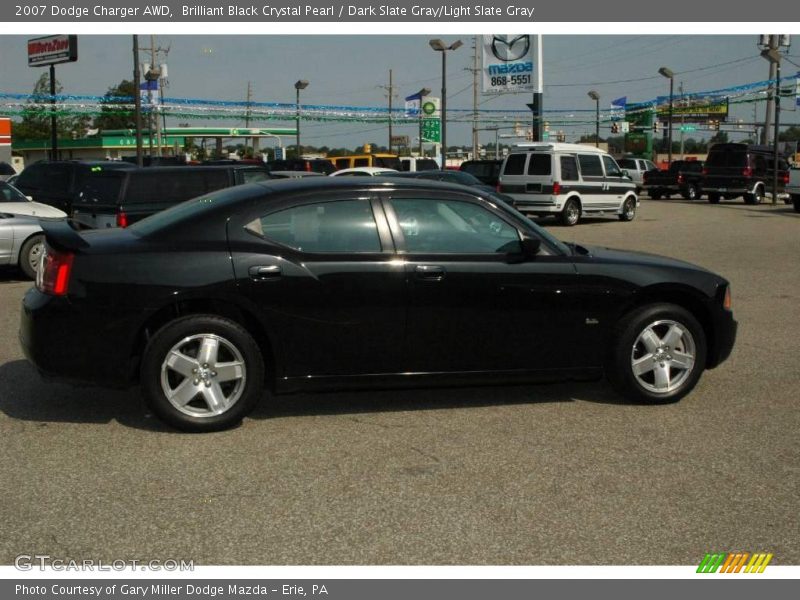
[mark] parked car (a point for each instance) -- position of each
(118, 198)
(21, 242)
(337, 283)
(14, 202)
(793, 187)
(413, 164)
(6, 171)
(567, 181)
(309, 165)
(460, 178)
(488, 171)
(684, 177)
(635, 168)
(746, 170)
(385, 161)
(363, 172)
(57, 182)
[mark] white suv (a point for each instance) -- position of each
(567, 180)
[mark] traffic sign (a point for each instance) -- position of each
(688, 128)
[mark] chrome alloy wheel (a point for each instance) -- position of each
(203, 375)
(573, 213)
(663, 356)
(36, 256)
(629, 209)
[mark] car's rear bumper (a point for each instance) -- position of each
(68, 344)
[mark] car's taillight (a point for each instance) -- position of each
(705, 171)
(747, 172)
(727, 303)
(556, 188)
(122, 219)
(785, 178)
(498, 188)
(53, 274)
(308, 166)
(680, 178)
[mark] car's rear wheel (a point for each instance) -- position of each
(30, 254)
(713, 198)
(571, 213)
(756, 197)
(658, 355)
(796, 203)
(628, 210)
(690, 193)
(202, 373)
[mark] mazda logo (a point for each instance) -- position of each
(507, 48)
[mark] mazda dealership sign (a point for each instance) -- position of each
(507, 64)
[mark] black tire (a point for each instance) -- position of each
(690, 193)
(626, 345)
(655, 195)
(29, 255)
(756, 197)
(571, 213)
(796, 203)
(628, 210)
(244, 391)
(713, 198)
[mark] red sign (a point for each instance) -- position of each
(52, 50)
(5, 131)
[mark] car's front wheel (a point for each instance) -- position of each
(628, 210)
(658, 354)
(202, 373)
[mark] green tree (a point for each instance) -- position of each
(35, 123)
(115, 112)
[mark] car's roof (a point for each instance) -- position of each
(370, 170)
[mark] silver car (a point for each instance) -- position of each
(21, 242)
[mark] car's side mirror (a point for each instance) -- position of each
(29, 198)
(625, 173)
(529, 249)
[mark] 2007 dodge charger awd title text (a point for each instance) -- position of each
(310, 284)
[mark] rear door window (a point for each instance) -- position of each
(540, 164)
(515, 164)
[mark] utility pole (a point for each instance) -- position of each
(475, 71)
(137, 99)
(154, 73)
(771, 44)
(247, 111)
(390, 94)
(683, 114)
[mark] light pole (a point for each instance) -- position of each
(671, 76)
(596, 97)
(300, 84)
(771, 52)
(440, 46)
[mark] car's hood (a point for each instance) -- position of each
(612, 255)
(31, 209)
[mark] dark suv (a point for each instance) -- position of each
(118, 198)
(488, 171)
(746, 170)
(311, 165)
(56, 182)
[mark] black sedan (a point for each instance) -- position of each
(327, 284)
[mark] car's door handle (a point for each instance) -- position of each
(265, 273)
(430, 272)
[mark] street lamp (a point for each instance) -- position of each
(300, 84)
(596, 97)
(671, 76)
(440, 46)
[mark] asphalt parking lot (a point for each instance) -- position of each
(556, 474)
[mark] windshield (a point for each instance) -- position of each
(8, 193)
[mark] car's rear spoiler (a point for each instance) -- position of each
(62, 234)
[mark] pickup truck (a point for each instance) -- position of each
(683, 177)
(793, 187)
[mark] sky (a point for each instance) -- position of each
(350, 70)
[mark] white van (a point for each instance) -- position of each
(416, 163)
(566, 180)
